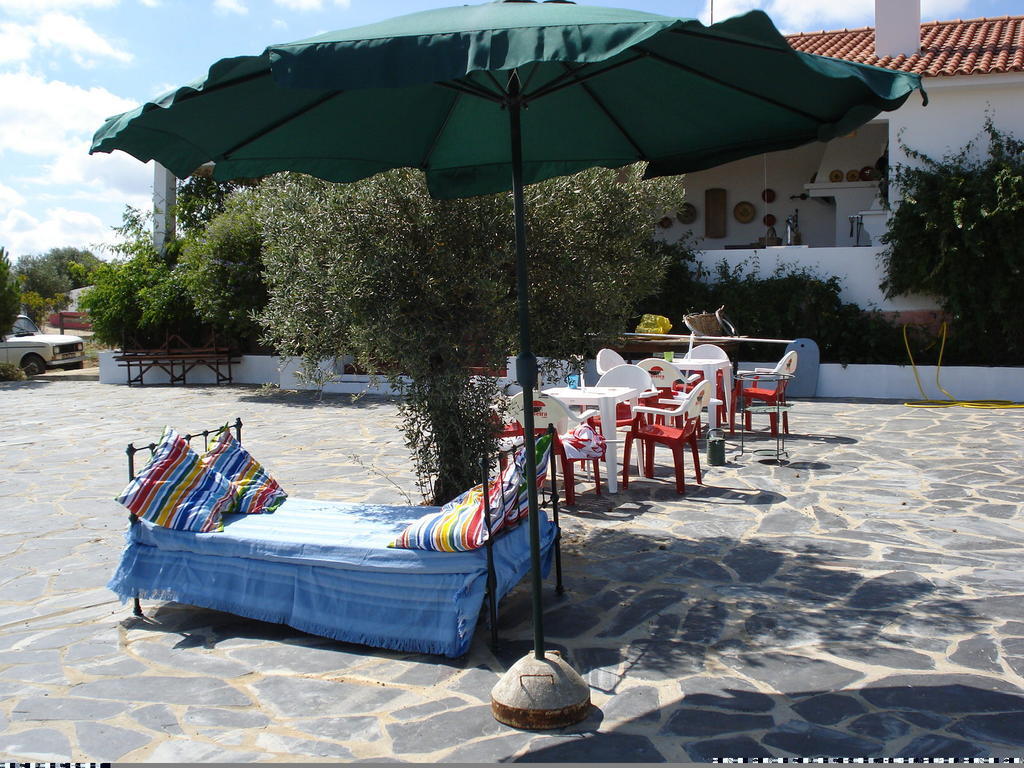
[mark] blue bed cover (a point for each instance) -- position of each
(325, 567)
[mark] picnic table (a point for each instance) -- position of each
(177, 358)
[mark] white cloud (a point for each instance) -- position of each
(101, 176)
(40, 117)
(943, 9)
(309, 5)
(16, 42)
(50, 123)
(42, 6)
(56, 32)
(150, 3)
(300, 5)
(230, 6)
(802, 16)
(22, 233)
(9, 198)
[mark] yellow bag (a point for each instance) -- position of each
(654, 324)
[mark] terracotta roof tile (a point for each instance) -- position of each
(971, 47)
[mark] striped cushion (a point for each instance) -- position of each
(543, 453)
(256, 490)
(175, 490)
(460, 525)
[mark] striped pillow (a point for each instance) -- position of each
(460, 526)
(543, 453)
(175, 490)
(256, 490)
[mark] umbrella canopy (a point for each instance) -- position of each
(600, 86)
(486, 98)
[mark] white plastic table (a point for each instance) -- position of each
(708, 367)
(605, 399)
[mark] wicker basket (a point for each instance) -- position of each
(703, 324)
(711, 324)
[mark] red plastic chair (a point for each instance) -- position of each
(550, 410)
(775, 395)
(650, 433)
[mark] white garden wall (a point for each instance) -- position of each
(834, 380)
(859, 269)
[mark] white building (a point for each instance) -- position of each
(969, 68)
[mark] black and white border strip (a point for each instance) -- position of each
(869, 760)
(55, 765)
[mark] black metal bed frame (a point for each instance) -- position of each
(492, 607)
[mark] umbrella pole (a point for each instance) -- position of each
(526, 364)
(541, 690)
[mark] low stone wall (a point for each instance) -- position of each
(894, 382)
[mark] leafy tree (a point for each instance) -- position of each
(140, 297)
(10, 301)
(58, 271)
(423, 290)
(223, 272)
(39, 307)
(199, 200)
(958, 235)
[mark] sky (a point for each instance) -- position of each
(66, 65)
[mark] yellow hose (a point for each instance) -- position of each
(924, 402)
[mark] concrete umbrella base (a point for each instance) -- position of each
(540, 694)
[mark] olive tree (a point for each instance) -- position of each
(10, 301)
(422, 291)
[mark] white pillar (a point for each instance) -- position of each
(897, 27)
(165, 191)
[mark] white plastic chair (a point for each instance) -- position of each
(608, 359)
(628, 375)
(548, 409)
(706, 352)
(664, 375)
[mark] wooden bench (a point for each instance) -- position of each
(176, 358)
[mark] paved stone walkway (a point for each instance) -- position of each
(866, 599)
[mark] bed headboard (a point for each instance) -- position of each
(132, 449)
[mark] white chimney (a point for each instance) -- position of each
(897, 27)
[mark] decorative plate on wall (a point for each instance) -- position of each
(744, 212)
(665, 222)
(853, 175)
(867, 173)
(687, 214)
(835, 176)
(768, 195)
(769, 219)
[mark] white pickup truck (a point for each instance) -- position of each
(35, 351)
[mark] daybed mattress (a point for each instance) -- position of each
(324, 567)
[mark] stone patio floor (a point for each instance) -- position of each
(867, 599)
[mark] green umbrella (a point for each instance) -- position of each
(489, 97)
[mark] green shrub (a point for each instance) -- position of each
(138, 299)
(223, 273)
(793, 302)
(958, 235)
(11, 372)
